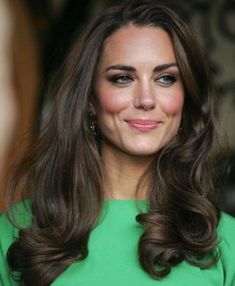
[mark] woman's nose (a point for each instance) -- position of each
(145, 97)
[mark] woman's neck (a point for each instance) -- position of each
(122, 173)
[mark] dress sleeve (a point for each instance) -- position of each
(6, 238)
(21, 213)
(227, 248)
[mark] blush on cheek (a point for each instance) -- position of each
(172, 105)
(110, 102)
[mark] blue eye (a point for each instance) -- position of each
(121, 79)
(167, 80)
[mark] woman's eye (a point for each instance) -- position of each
(166, 80)
(121, 79)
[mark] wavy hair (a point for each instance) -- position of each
(62, 172)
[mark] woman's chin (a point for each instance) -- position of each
(143, 152)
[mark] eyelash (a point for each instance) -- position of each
(118, 79)
(124, 79)
(169, 78)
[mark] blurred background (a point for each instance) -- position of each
(35, 36)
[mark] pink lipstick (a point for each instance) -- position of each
(143, 125)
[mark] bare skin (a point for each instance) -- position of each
(122, 174)
(138, 103)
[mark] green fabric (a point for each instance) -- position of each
(113, 260)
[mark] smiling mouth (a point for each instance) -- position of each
(144, 125)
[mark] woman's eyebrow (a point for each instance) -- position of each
(133, 69)
(164, 67)
(121, 67)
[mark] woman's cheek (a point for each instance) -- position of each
(173, 103)
(112, 101)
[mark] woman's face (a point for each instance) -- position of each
(139, 94)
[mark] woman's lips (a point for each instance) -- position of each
(144, 125)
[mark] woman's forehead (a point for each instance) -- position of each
(132, 44)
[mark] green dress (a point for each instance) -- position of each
(113, 259)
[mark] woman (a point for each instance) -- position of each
(129, 138)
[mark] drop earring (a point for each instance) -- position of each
(92, 123)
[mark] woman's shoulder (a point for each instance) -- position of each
(19, 216)
(226, 236)
(226, 226)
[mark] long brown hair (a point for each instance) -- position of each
(62, 174)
